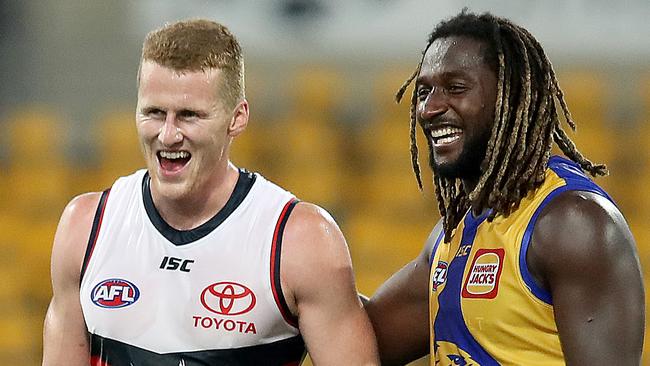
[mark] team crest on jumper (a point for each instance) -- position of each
(439, 275)
(483, 277)
(448, 353)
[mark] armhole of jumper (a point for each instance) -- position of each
(276, 249)
(530, 282)
(435, 248)
(94, 233)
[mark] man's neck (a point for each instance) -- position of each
(198, 207)
(468, 184)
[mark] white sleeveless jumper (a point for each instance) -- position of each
(154, 295)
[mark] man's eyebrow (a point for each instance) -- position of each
(196, 111)
(445, 75)
(150, 108)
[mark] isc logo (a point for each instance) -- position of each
(114, 293)
(173, 263)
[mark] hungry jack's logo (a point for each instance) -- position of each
(482, 282)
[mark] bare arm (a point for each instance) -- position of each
(316, 273)
(399, 310)
(65, 340)
(583, 251)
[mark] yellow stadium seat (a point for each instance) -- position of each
(16, 337)
(390, 181)
(38, 193)
(13, 284)
(36, 137)
(381, 245)
(387, 128)
(316, 88)
(638, 167)
(585, 94)
(36, 246)
(252, 149)
(16, 340)
(584, 91)
(385, 148)
(119, 147)
(36, 183)
(308, 143)
(249, 150)
(387, 83)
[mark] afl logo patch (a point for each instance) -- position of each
(439, 275)
(114, 293)
(483, 278)
(228, 298)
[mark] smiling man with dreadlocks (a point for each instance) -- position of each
(532, 263)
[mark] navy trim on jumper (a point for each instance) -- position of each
(276, 250)
(94, 232)
(181, 237)
(289, 351)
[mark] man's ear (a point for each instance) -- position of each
(239, 119)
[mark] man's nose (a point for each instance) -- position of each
(169, 133)
(436, 104)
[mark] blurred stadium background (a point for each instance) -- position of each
(320, 80)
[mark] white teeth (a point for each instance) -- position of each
(446, 135)
(174, 154)
(444, 131)
(446, 140)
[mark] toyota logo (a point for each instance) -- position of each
(228, 298)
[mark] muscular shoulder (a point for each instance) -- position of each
(83, 204)
(576, 230)
(314, 255)
(79, 212)
(312, 235)
(72, 234)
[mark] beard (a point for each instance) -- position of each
(468, 164)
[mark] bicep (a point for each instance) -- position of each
(317, 270)
(65, 338)
(593, 272)
(331, 307)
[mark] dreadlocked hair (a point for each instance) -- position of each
(526, 121)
